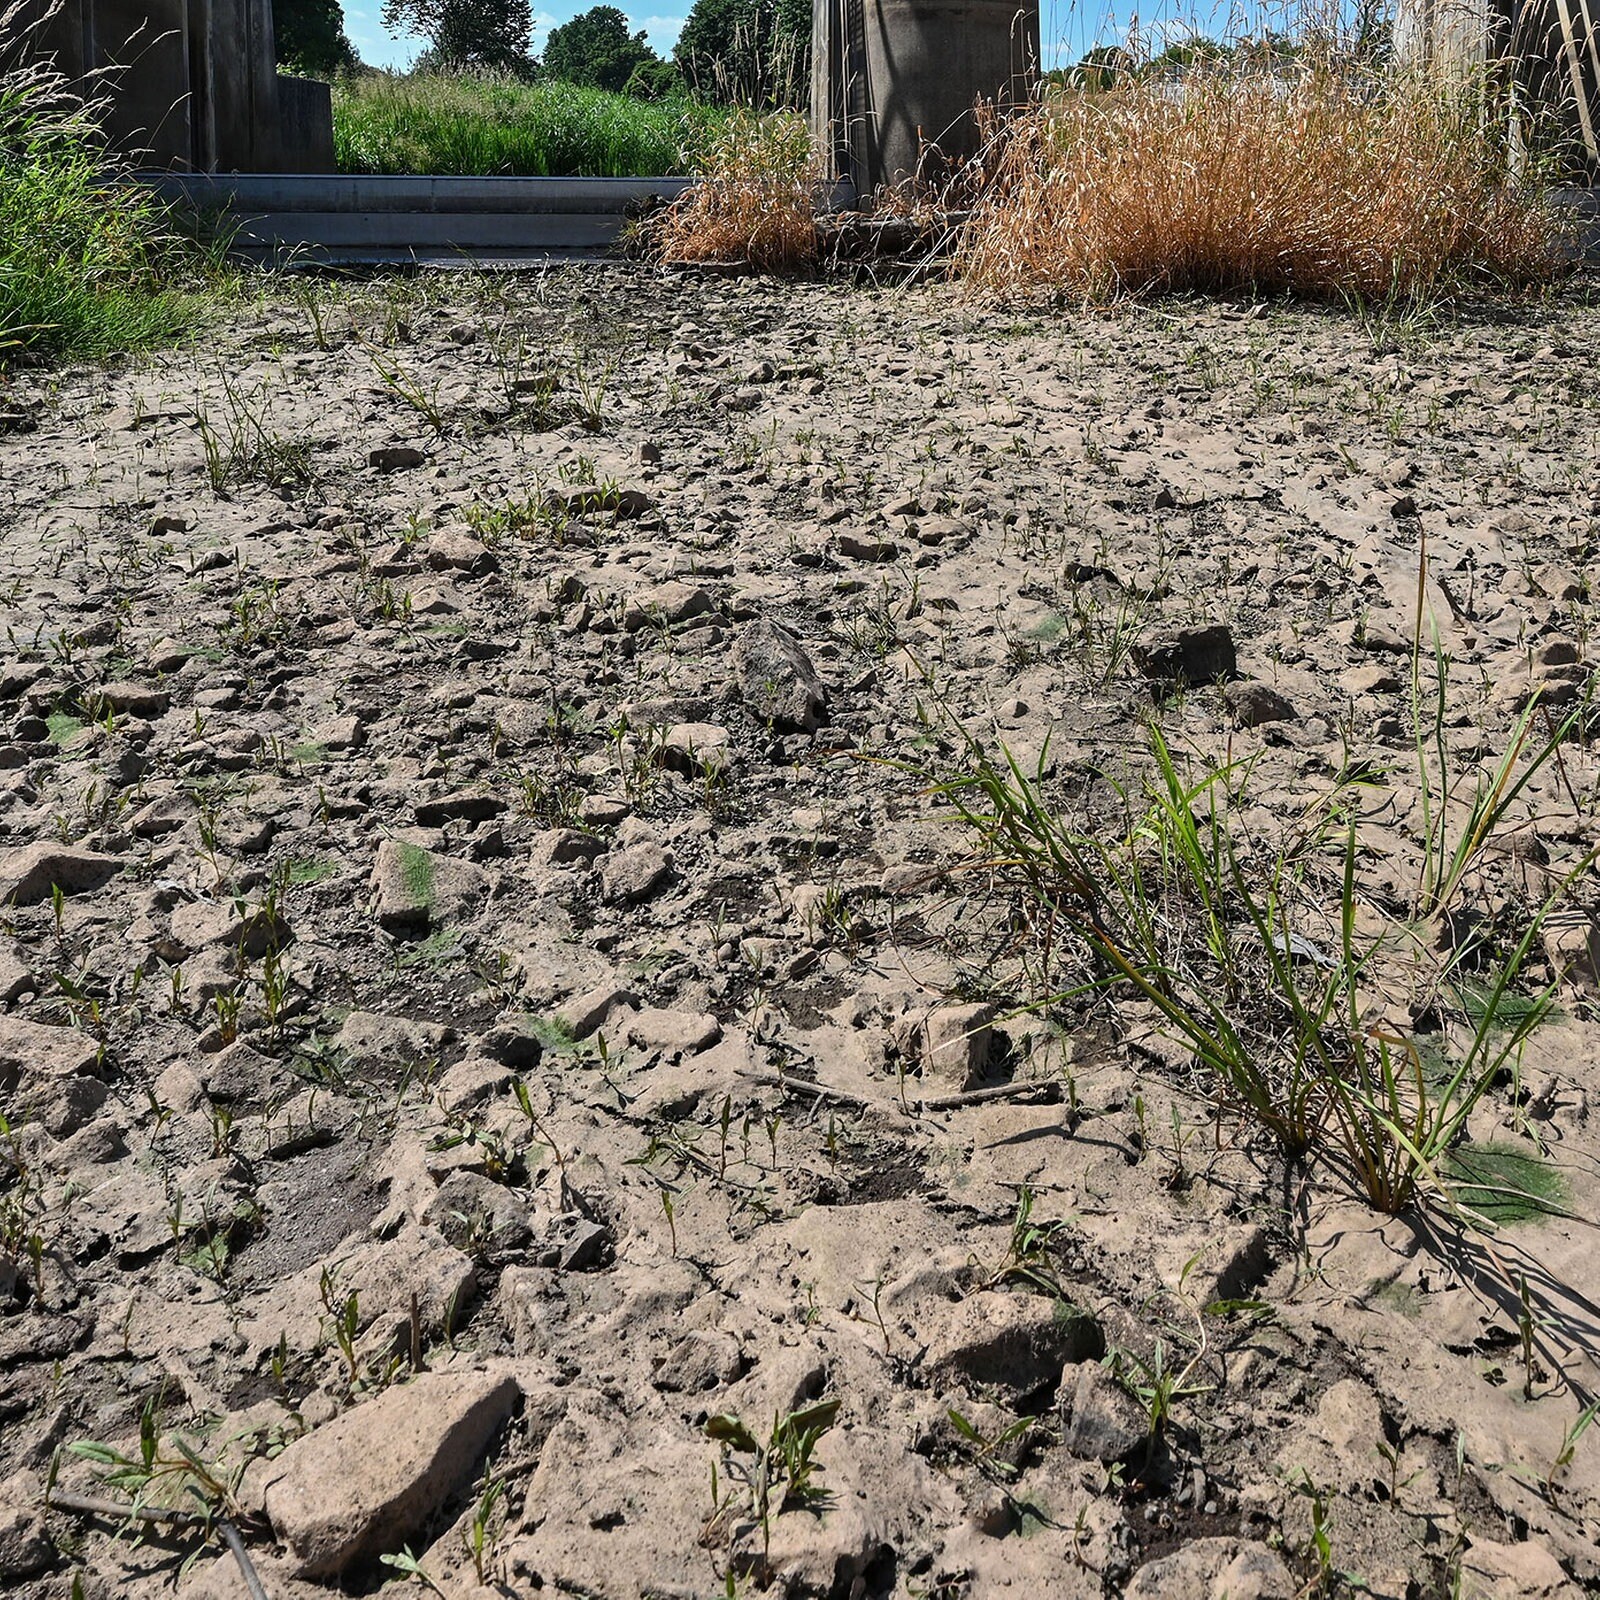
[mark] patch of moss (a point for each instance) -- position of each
(312, 869)
(1477, 1000)
(64, 727)
(417, 872)
(437, 950)
(1505, 1182)
(552, 1033)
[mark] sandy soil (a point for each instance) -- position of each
(467, 766)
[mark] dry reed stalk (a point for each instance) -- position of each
(1314, 182)
(755, 202)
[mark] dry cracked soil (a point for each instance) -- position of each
(518, 1077)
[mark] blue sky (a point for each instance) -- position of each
(1069, 28)
(363, 21)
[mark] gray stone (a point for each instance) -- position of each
(366, 1483)
(1214, 1569)
(1253, 704)
(1187, 656)
(417, 888)
(634, 874)
(28, 875)
(687, 1032)
(777, 681)
(1100, 1420)
(1015, 1344)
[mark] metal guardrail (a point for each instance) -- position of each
(338, 220)
(345, 220)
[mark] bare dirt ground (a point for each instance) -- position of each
(467, 766)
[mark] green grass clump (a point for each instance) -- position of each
(492, 127)
(90, 265)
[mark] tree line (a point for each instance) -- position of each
(752, 52)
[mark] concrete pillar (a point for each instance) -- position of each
(149, 111)
(1543, 54)
(192, 84)
(890, 78)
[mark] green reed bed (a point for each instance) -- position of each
(485, 126)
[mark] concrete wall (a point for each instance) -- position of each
(193, 84)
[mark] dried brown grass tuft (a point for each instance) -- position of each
(755, 203)
(1319, 183)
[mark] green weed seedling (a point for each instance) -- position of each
(777, 1473)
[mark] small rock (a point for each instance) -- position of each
(777, 681)
(634, 874)
(364, 1484)
(1214, 1569)
(1187, 656)
(1100, 1420)
(1253, 704)
(28, 875)
(396, 458)
(452, 550)
(687, 1032)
